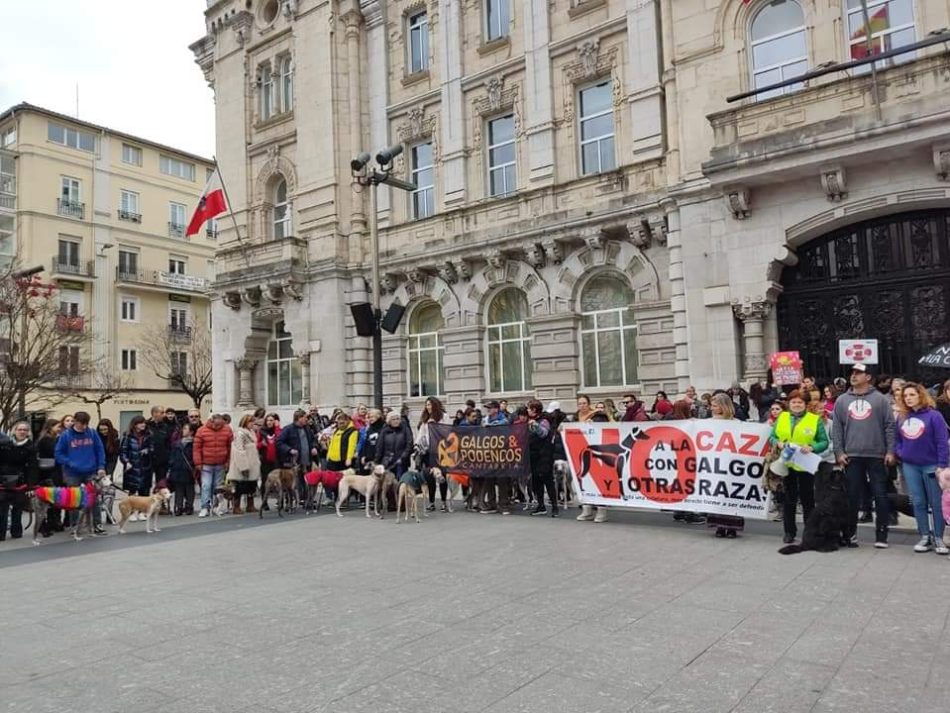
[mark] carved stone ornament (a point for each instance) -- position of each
(942, 162)
(416, 274)
(463, 268)
(251, 296)
(534, 254)
(737, 201)
(749, 309)
(448, 273)
(294, 290)
(553, 251)
(241, 23)
(289, 8)
(593, 237)
(833, 183)
(496, 259)
(246, 364)
(388, 282)
(273, 292)
(493, 89)
(591, 62)
(639, 231)
(303, 356)
(587, 56)
(232, 299)
(658, 227)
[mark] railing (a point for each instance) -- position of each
(7, 200)
(160, 278)
(72, 209)
(127, 274)
(179, 333)
(70, 323)
(7, 190)
(130, 216)
(176, 230)
(80, 269)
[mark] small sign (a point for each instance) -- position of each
(786, 368)
(857, 351)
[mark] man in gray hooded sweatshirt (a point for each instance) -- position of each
(863, 437)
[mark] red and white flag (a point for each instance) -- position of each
(210, 204)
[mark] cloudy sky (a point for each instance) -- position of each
(130, 60)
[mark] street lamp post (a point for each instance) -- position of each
(372, 176)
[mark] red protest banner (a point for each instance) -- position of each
(786, 368)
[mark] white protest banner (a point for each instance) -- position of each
(857, 351)
(708, 466)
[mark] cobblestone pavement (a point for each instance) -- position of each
(469, 613)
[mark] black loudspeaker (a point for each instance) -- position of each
(363, 316)
(393, 317)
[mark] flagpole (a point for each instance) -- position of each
(869, 43)
(227, 198)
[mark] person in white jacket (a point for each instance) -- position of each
(244, 470)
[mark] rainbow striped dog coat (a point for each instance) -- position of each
(75, 498)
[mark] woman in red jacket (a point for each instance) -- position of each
(267, 448)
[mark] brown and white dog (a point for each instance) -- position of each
(281, 481)
(367, 485)
(387, 483)
(150, 505)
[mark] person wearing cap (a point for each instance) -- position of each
(800, 427)
(495, 417)
(863, 437)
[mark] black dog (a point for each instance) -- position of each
(825, 527)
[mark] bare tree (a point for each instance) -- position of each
(35, 358)
(104, 385)
(181, 356)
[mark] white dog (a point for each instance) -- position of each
(366, 485)
(564, 481)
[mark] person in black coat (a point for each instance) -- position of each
(394, 445)
(17, 468)
(181, 472)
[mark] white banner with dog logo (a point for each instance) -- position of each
(705, 466)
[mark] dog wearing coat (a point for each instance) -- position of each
(407, 498)
(150, 506)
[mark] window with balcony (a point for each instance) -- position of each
(71, 138)
(501, 156)
(129, 207)
(8, 137)
(130, 360)
(70, 303)
(69, 360)
(128, 265)
(7, 245)
(174, 167)
(67, 256)
(777, 46)
(281, 211)
(131, 155)
(7, 180)
(129, 309)
(69, 197)
(890, 24)
(178, 319)
(596, 121)
(286, 77)
(176, 219)
(176, 265)
(418, 56)
(423, 175)
(497, 18)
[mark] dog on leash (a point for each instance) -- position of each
(281, 482)
(150, 505)
(410, 489)
(453, 486)
(367, 485)
(387, 484)
(81, 499)
(564, 482)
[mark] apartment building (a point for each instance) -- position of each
(104, 214)
(611, 195)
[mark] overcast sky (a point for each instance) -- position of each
(129, 58)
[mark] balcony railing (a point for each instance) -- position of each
(129, 216)
(78, 269)
(176, 230)
(179, 333)
(160, 278)
(70, 323)
(73, 209)
(7, 190)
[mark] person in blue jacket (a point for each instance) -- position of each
(81, 455)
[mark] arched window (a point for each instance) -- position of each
(777, 46)
(284, 382)
(281, 211)
(509, 344)
(608, 332)
(425, 350)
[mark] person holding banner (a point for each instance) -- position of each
(541, 451)
(723, 407)
(804, 429)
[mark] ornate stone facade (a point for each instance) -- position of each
(697, 208)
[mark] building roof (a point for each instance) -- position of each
(27, 107)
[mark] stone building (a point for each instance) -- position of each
(591, 212)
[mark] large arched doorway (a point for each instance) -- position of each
(887, 278)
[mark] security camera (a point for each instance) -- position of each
(386, 156)
(358, 163)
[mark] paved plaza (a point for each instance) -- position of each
(467, 613)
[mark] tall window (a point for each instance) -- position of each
(67, 257)
(422, 175)
(70, 303)
(131, 155)
(129, 309)
(281, 211)
(597, 129)
(286, 84)
(179, 169)
(129, 206)
(179, 365)
(69, 190)
(73, 138)
(178, 318)
(68, 361)
(778, 46)
(497, 16)
(128, 263)
(176, 219)
(608, 332)
(284, 382)
(509, 344)
(418, 42)
(501, 155)
(891, 25)
(267, 92)
(129, 360)
(176, 265)
(425, 351)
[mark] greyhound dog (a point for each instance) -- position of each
(81, 499)
(367, 485)
(410, 489)
(280, 481)
(151, 505)
(452, 484)
(564, 481)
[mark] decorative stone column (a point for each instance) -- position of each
(752, 314)
(304, 358)
(245, 369)
(352, 21)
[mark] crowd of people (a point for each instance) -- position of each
(886, 434)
